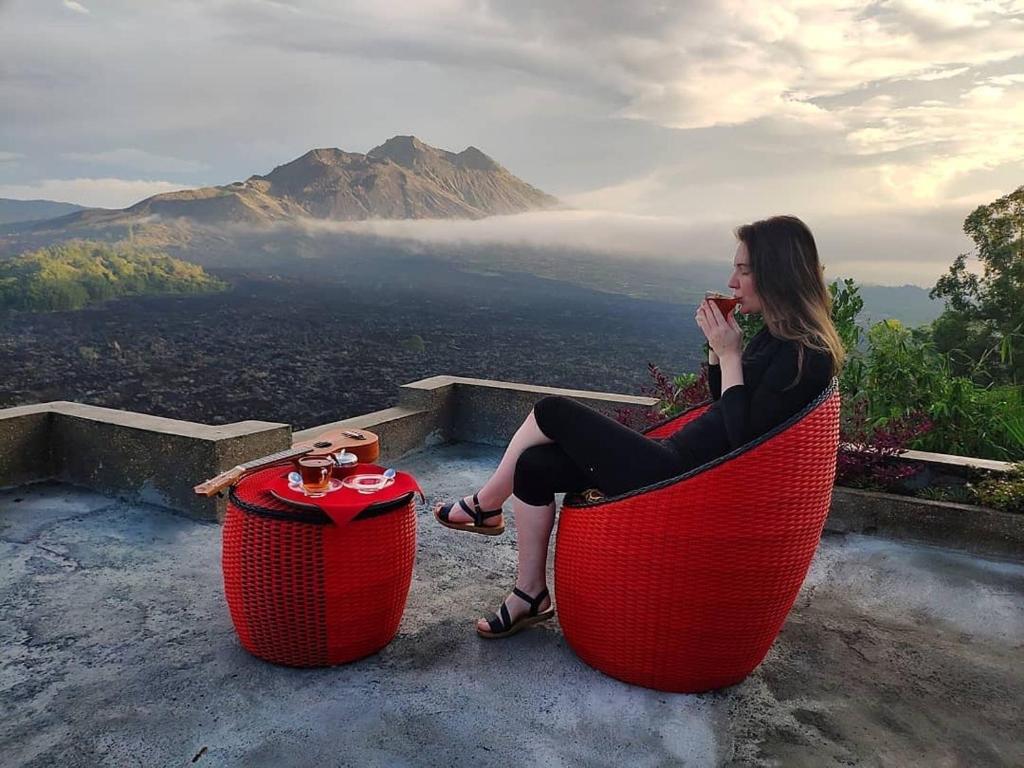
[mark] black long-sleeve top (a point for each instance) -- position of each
(766, 398)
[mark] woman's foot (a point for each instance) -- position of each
(469, 514)
(459, 515)
(521, 609)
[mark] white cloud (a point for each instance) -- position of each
(864, 107)
(870, 249)
(137, 159)
(101, 193)
(942, 74)
(798, 66)
(617, 234)
(77, 7)
(682, 65)
(979, 130)
(9, 157)
(1006, 80)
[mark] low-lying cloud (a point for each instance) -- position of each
(881, 249)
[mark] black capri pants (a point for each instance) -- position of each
(590, 450)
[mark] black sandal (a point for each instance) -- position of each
(478, 515)
(503, 626)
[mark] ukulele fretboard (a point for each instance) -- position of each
(279, 456)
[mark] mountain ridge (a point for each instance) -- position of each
(403, 178)
(20, 211)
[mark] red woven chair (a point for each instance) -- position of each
(684, 585)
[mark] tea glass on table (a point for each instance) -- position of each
(316, 474)
(723, 301)
(346, 464)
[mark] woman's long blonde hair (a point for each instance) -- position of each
(795, 303)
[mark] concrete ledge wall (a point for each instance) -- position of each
(962, 526)
(158, 461)
(153, 459)
(131, 455)
(25, 453)
(489, 411)
(951, 463)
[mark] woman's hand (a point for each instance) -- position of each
(724, 335)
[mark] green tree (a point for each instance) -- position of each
(79, 272)
(983, 325)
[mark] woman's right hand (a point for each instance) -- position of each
(712, 357)
(723, 333)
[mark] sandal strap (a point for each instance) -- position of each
(470, 512)
(533, 601)
(485, 513)
(478, 515)
(502, 623)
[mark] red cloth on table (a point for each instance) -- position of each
(344, 504)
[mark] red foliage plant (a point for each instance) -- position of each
(672, 399)
(867, 454)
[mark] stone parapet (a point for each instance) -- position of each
(488, 411)
(158, 461)
(978, 530)
(135, 456)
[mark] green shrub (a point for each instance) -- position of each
(1005, 492)
(88, 354)
(414, 343)
(960, 494)
(902, 373)
(79, 272)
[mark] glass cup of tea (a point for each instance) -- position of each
(346, 464)
(723, 301)
(316, 474)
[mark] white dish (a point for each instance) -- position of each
(367, 483)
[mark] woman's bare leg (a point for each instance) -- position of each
(499, 486)
(533, 528)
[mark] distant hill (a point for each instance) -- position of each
(403, 178)
(907, 303)
(12, 211)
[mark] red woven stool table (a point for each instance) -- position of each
(323, 584)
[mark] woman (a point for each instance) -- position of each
(566, 446)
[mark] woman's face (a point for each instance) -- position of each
(742, 282)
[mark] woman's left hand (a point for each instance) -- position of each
(723, 333)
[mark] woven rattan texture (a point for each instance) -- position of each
(685, 587)
(310, 595)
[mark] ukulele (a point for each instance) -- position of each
(365, 445)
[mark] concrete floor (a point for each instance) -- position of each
(116, 648)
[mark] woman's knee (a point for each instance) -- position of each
(545, 413)
(532, 481)
(533, 461)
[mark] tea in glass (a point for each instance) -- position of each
(346, 464)
(316, 473)
(724, 302)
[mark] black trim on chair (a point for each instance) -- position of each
(792, 421)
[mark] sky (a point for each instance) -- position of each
(662, 125)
